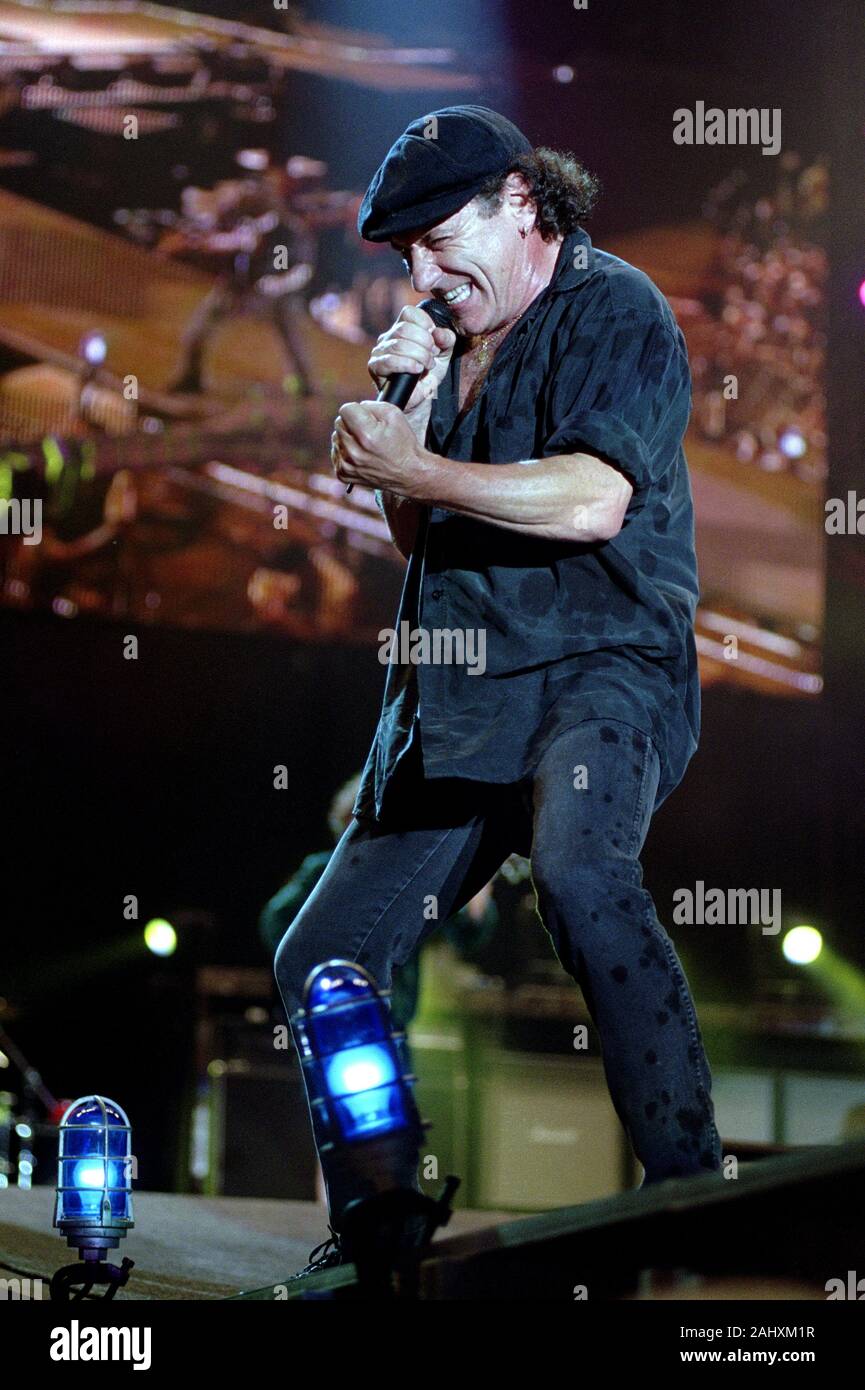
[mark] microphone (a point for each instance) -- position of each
(398, 389)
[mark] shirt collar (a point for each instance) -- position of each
(568, 274)
(570, 270)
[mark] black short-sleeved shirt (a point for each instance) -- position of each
(597, 364)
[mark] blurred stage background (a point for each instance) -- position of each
(257, 647)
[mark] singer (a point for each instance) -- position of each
(537, 485)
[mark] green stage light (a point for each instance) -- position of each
(802, 945)
(160, 937)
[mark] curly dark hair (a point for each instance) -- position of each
(563, 192)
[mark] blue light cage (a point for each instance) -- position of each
(351, 1055)
(94, 1174)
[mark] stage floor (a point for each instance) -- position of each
(186, 1247)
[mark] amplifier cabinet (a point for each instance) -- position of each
(548, 1135)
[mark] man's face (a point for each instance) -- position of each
(484, 260)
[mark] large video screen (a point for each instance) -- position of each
(168, 385)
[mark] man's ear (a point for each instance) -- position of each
(516, 191)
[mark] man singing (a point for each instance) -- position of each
(537, 486)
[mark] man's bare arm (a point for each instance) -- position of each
(403, 517)
(570, 497)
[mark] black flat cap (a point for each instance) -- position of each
(437, 166)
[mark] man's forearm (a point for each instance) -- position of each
(570, 497)
(402, 516)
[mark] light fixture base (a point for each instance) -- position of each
(85, 1276)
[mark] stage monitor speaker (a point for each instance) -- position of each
(260, 1138)
(548, 1134)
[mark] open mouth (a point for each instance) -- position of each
(458, 295)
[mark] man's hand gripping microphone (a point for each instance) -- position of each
(398, 388)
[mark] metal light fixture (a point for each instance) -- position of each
(93, 1209)
(354, 1057)
(362, 1096)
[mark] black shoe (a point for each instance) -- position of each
(325, 1256)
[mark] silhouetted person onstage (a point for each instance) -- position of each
(538, 487)
(266, 253)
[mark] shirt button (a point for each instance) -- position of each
(436, 593)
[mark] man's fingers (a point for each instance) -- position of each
(354, 423)
(397, 363)
(380, 413)
(343, 442)
(342, 453)
(444, 338)
(411, 333)
(413, 344)
(411, 313)
(353, 415)
(356, 417)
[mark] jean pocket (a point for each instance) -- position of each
(647, 770)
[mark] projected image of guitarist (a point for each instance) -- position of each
(265, 252)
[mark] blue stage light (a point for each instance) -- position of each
(94, 1176)
(351, 1056)
(367, 1126)
(361, 1083)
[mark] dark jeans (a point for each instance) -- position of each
(287, 312)
(372, 906)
